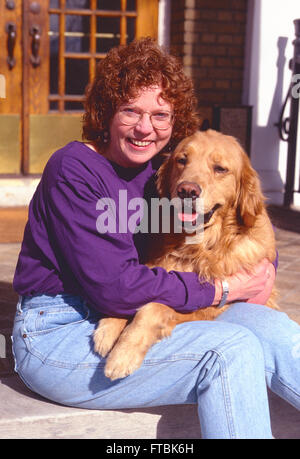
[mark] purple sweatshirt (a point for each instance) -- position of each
(63, 250)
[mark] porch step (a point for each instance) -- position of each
(24, 415)
(12, 223)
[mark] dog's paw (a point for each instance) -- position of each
(122, 363)
(107, 334)
(103, 342)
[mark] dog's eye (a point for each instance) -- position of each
(219, 169)
(182, 160)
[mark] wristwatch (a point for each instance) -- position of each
(225, 289)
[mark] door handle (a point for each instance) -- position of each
(11, 41)
(35, 46)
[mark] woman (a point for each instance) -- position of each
(69, 274)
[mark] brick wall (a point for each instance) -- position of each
(209, 36)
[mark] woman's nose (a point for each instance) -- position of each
(144, 125)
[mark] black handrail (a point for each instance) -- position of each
(288, 127)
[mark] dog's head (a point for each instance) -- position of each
(210, 174)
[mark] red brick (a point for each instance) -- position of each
(238, 62)
(208, 38)
(212, 45)
(222, 84)
(236, 51)
(225, 73)
(225, 16)
(210, 50)
(225, 39)
(207, 61)
(208, 14)
(205, 84)
(224, 62)
(240, 17)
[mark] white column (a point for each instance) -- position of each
(164, 21)
(269, 48)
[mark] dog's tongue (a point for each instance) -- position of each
(187, 217)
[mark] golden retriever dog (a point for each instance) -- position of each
(231, 231)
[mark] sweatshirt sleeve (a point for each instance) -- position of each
(106, 266)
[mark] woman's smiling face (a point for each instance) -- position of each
(132, 146)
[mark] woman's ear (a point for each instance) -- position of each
(250, 201)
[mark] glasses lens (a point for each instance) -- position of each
(161, 120)
(130, 117)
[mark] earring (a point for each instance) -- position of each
(105, 136)
(169, 148)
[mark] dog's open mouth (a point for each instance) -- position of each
(188, 215)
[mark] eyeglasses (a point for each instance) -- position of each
(131, 117)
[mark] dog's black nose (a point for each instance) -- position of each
(188, 190)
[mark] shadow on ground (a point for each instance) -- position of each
(285, 218)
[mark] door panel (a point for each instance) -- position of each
(48, 133)
(13, 73)
(35, 71)
(10, 141)
(11, 105)
(54, 47)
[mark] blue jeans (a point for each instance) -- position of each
(222, 366)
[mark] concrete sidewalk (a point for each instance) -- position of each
(25, 415)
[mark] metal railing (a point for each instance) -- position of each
(288, 127)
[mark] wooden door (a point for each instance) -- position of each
(50, 53)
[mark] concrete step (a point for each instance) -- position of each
(24, 415)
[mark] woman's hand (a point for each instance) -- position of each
(263, 297)
(254, 287)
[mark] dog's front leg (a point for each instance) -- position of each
(107, 333)
(151, 323)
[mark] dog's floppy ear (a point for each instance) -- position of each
(250, 201)
(163, 176)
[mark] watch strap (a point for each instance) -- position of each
(225, 292)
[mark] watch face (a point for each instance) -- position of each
(225, 287)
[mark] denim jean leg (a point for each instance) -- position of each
(217, 365)
(280, 340)
(232, 397)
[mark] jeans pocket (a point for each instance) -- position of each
(46, 319)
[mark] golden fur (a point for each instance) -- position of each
(238, 235)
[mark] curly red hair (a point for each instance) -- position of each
(123, 73)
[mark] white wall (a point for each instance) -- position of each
(267, 77)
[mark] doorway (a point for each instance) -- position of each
(50, 54)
